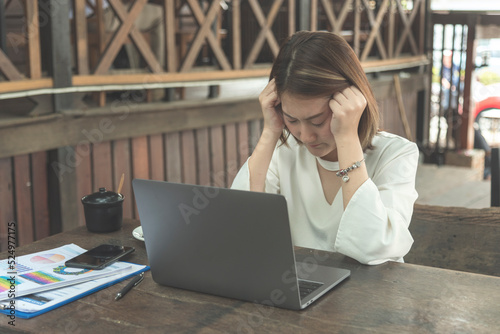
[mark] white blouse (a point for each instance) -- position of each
(373, 228)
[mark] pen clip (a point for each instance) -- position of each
(141, 277)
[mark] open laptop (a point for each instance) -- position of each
(227, 242)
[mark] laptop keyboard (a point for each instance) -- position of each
(307, 287)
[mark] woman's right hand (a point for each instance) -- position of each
(273, 120)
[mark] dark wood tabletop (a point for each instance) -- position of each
(388, 298)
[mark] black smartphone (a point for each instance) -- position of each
(99, 257)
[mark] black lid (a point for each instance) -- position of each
(102, 197)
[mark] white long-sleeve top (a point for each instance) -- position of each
(373, 228)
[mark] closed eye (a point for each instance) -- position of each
(318, 125)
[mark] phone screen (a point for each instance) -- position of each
(99, 257)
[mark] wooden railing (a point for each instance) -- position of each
(241, 40)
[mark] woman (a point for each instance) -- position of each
(349, 187)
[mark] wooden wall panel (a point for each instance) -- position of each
(84, 183)
(39, 171)
(140, 158)
(6, 200)
(391, 120)
(243, 143)
(140, 162)
(101, 166)
(157, 154)
(203, 156)
(231, 157)
(173, 157)
(189, 167)
(122, 165)
(217, 156)
(24, 209)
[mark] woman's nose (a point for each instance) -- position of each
(307, 135)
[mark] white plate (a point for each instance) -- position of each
(137, 233)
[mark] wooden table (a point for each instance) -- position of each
(389, 298)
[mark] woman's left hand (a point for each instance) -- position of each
(347, 107)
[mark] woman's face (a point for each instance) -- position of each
(308, 120)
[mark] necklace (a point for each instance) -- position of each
(332, 166)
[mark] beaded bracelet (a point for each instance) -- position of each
(343, 172)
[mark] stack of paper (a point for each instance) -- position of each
(39, 282)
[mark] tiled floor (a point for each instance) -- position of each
(452, 186)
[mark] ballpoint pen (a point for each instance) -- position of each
(130, 285)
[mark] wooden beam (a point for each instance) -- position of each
(304, 13)
(394, 64)
(62, 186)
(25, 85)
(3, 31)
(199, 76)
(291, 17)
(314, 15)
(236, 25)
(466, 140)
(8, 69)
(82, 53)
(33, 34)
(357, 27)
(122, 120)
(171, 54)
(60, 54)
(468, 243)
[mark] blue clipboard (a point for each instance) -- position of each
(28, 315)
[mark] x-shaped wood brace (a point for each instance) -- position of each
(127, 28)
(8, 69)
(265, 31)
(375, 33)
(336, 22)
(407, 30)
(205, 31)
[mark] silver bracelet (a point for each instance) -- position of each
(343, 172)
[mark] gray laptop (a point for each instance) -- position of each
(227, 242)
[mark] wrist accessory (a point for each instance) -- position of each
(343, 172)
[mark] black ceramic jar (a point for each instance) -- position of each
(103, 211)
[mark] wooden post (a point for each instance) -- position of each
(304, 9)
(63, 202)
(466, 130)
(60, 50)
(495, 176)
(3, 32)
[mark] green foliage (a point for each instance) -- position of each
(488, 77)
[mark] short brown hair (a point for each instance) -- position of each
(319, 64)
